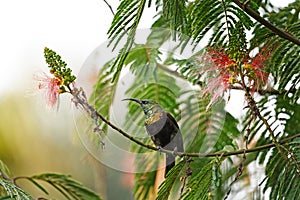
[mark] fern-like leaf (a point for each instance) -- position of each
(282, 178)
(216, 16)
(125, 21)
(4, 168)
(144, 187)
(203, 178)
(174, 12)
(171, 179)
(67, 186)
(103, 93)
(13, 191)
(212, 130)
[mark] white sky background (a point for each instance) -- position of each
(72, 28)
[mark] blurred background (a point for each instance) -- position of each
(33, 138)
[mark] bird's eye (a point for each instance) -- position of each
(145, 102)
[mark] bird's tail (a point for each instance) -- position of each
(170, 163)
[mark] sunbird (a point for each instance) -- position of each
(162, 129)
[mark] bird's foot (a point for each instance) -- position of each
(175, 151)
(159, 149)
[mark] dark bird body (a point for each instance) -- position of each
(162, 129)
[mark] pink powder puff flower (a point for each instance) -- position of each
(51, 85)
(218, 71)
(216, 87)
(220, 59)
(259, 76)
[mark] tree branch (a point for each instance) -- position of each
(274, 29)
(260, 91)
(267, 91)
(110, 7)
(79, 98)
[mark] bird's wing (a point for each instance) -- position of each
(176, 140)
(172, 119)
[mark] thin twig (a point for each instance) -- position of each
(4, 176)
(238, 174)
(281, 33)
(242, 164)
(266, 91)
(270, 91)
(256, 113)
(79, 98)
(110, 7)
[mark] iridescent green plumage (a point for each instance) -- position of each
(162, 128)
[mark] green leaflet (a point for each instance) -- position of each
(68, 187)
(285, 176)
(4, 168)
(173, 177)
(211, 129)
(145, 182)
(13, 191)
(104, 92)
(199, 186)
(127, 17)
(204, 16)
(174, 12)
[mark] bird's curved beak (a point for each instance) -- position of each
(133, 99)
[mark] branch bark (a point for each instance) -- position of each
(79, 98)
(281, 33)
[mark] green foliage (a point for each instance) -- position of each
(203, 178)
(216, 16)
(175, 174)
(141, 55)
(103, 93)
(285, 176)
(188, 68)
(127, 17)
(212, 129)
(286, 69)
(68, 187)
(64, 184)
(144, 182)
(174, 12)
(3, 168)
(13, 191)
